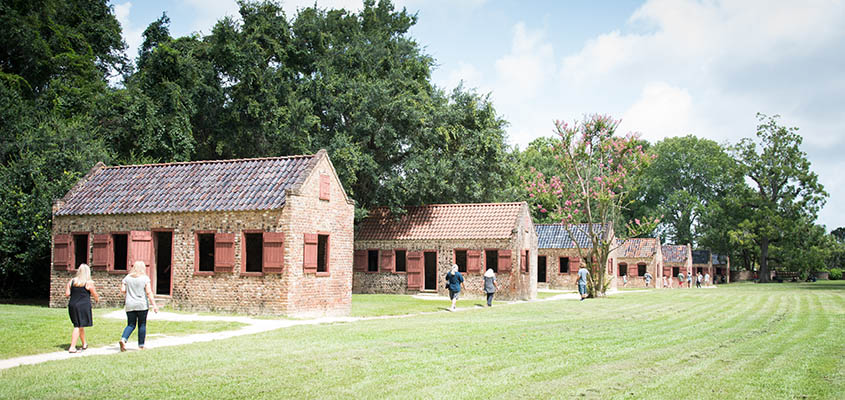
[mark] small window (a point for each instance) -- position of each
(372, 260)
(322, 253)
(623, 269)
(492, 257)
(254, 244)
(120, 254)
(205, 245)
(676, 271)
(564, 265)
(641, 269)
(461, 260)
(400, 262)
(80, 252)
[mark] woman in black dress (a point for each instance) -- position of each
(80, 289)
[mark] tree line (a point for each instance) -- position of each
(270, 84)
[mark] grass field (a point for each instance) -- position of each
(26, 330)
(375, 305)
(774, 341)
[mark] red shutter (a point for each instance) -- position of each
(309, 255)
(474, 261)
(273, 253)
(100, 256)
(325, 187)
(224, 252)
(504, 261)
(574, 265)
(61, 252)
(667, 271)
(360, 261)
(141, 249)
(386, 261)
(523, 260)
(415, 264)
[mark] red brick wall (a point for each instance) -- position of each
(291, 292)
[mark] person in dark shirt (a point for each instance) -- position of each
(455, 282)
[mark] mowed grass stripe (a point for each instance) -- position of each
(637, 343)
(682, 376)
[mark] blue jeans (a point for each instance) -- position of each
(133, 317)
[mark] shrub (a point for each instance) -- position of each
(835, 274)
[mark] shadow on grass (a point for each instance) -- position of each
(25, 302)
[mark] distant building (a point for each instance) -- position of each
(412, 252)
(558, 257)
(636, 256)
(677, 259)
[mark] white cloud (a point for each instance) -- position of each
(131, 34)
(530, 63)
(662, 110)
(471, 77)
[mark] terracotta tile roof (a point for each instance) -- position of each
(638, 248)
(674, 254)
(701, 256)
(556, 236)
(442, 221)
(227, 185)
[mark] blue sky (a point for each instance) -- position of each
(666, 67)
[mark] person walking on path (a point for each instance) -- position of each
(648, 278)
(681, 279)
(454, 281)
(490, 285)
(698, 279)
(689, 280)
(80, 289)
(139, 295)
(624, 280)
(582, 282)
(707, 279)
(665, 282)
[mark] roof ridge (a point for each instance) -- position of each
(209, 161)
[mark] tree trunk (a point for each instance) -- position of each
(764, 275)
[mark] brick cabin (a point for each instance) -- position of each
(677, 259)
(636, 256)
(558, 259)
(260, 236)
(701, 262)
(413, 252)
(721, 267)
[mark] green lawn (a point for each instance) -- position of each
(546, 295)
(774, 341)
(26, 330)
(374, 305)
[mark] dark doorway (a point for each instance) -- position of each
(492, 259)
(541, 269)
(164, 256)
(80, 245)
(430, 270)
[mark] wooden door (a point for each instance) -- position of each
(141, 249)
(541, 269)
(415, 270)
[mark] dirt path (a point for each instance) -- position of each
(252, 326)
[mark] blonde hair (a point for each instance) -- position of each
(83, 275)
(138, 269)
(489, 273)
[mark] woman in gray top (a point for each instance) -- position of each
(139, 295)
(490, 285)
